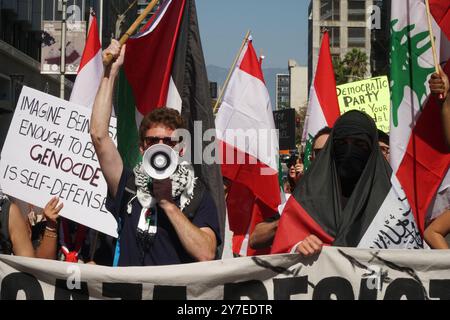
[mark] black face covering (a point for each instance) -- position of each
(350, 160)
(350, 157)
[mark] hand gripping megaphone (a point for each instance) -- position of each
(160, 161)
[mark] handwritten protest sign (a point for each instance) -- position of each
(48, 152)
(371, 96)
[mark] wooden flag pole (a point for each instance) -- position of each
(433, 44)
(107, 61)
(231, 72)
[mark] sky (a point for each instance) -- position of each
(279, 29)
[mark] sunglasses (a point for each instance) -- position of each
(152, 140)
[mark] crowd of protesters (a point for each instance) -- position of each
(174, 220)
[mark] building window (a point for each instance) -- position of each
(357, 10)
(335, 36)
(330, 10)
(357, 37)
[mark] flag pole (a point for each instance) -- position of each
(230, 72)
(433, 44)
(107, 61)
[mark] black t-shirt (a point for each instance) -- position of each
(166, 248)
(5, 241)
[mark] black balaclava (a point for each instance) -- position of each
(350, 158)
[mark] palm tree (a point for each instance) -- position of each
(356, 64)
(353, 67)
(339, 71)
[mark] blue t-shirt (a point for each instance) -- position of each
(166, 248)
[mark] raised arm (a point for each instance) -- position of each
(107, 153)
(49, 242)
(439, 85)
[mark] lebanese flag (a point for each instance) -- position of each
(323, 107)
(419, 155)
(249, 146)
(164, 66)
(440, 9)
(90, 71)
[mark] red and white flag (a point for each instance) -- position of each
(249, 145)
(323, 108)
(419, 155)
(440, 9)
(91, 68)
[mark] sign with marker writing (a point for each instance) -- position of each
(371, 96)
(48, 152)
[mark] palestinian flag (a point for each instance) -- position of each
(419, 155)
(164, 67)
(376, 214)
(323, 107)
(249, 145)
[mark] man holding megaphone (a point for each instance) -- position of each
(165, 214)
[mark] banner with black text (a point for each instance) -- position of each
(48, 153)
(337, 273)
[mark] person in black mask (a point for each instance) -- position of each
(348, 197)
(351, 150)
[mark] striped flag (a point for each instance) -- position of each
(83, 93)
(246, 130)
(376, 214)
(419, 155)
(441, 12)
(90, 71)
(164, 67)
(323, 108)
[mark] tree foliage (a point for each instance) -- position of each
(352, 67)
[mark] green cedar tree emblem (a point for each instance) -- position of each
(406, 69)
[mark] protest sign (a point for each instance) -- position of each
(337, 273)
(285, 123)
(371, 96)
(48, 152)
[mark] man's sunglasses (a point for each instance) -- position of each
(169, 141)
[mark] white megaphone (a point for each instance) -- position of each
(160, 161)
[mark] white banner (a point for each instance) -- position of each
(338, 273)
(48, 152)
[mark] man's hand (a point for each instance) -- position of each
(118, 54)
(162, 191)
(310, 246)
(439, 84)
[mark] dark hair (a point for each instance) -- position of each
(383, 137)
(292, 161)
(324, 130)
(166, 117)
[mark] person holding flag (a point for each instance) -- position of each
(347, 197)
(419, 154)
(439, 86)
(175, 237)
(439, 228)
